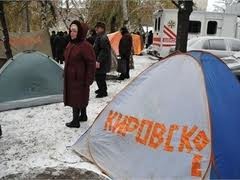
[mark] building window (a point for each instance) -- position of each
(159, 23)
(194, 27)
(212, 27)
(156, 24)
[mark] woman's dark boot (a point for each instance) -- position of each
(83, 116)
(121, 77)
(75, 122)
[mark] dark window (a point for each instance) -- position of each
(156, 24)
(159, 23)
(194, 27)
(212, 27)
(206, 45)
(235, 45)
(217, 44)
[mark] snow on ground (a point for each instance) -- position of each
(36, 138)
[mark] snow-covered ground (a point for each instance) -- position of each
(36, 138)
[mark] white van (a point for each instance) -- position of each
(201, 24)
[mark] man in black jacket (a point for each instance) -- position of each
(125, 48)
(149, 39)
(52, 39)
(60, 44)
(102, 49)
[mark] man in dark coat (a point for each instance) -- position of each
(125, 48)
(93, 36)
(60, 44)
(79, 71)
(102, 49)
(67, 38)
(149, 39)
(52, 39)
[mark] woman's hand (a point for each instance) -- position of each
(97, 65)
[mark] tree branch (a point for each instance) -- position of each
(176, 4)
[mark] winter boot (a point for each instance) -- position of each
(97, 91)
(102, 94)
(121, 77)
(83, 116)
(75, 122)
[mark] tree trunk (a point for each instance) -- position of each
(6, 43)
(43, 14)
(184, 11)
(113, 24)
(25, 16)
(125, 13)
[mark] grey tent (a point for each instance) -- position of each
(30, 79)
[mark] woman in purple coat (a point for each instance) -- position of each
(79, 72)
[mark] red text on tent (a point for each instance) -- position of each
(151, 134)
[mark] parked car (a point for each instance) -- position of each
(233, 62)
(219, 46)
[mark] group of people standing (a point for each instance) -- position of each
(87, 59)
(59, 42)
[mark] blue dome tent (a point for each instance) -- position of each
(223, 91)
(179, 119)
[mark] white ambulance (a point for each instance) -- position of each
(201, 24)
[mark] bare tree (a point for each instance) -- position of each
(47, 8)
(6, 43)
(43, 14)
(79, 7)
(133, 13)
(26, 19)
(220, 5)
(63, 13)
(71, 9)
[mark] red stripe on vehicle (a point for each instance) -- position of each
(168, 34)
(156, 44)
(170, 31)
(167, 45)
(157, 39)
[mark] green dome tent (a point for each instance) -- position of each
(29, 79)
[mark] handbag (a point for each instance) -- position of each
(121, 67)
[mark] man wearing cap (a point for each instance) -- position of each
(102, 49)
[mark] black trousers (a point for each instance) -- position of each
(101, 82)
(127, 67)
